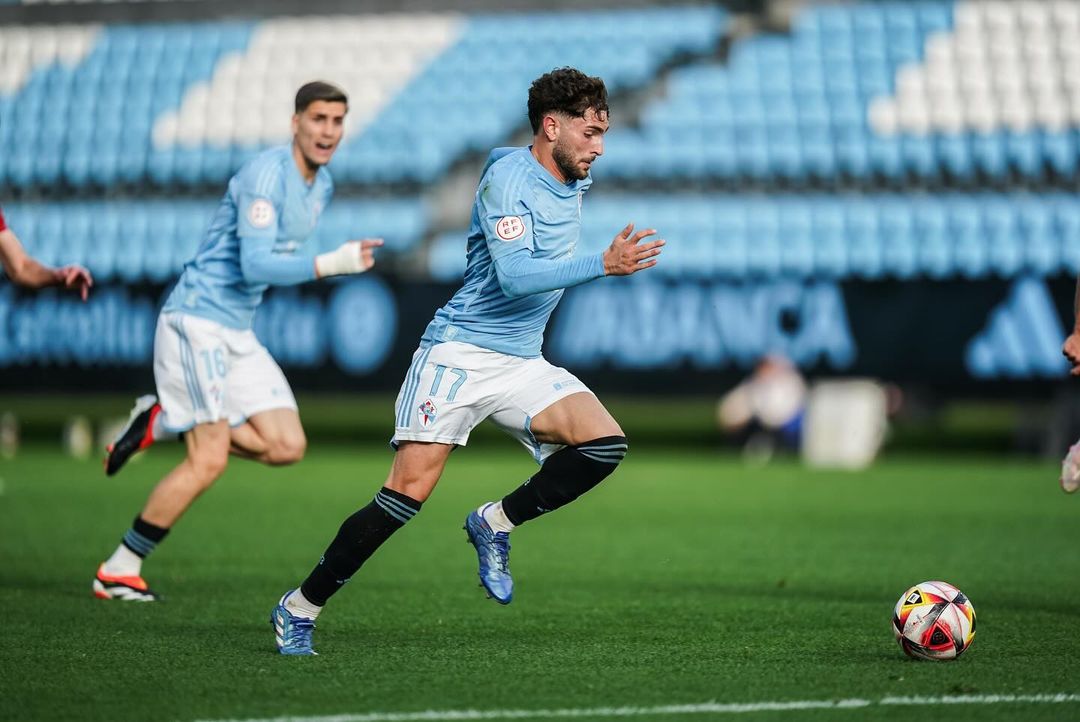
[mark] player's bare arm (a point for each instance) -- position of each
(1071, 349)
(24, 270)
(627, 254)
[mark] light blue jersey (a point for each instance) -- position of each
(256, 239)
(520, 257)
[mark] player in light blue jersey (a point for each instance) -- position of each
(480, 356)
(216, 383)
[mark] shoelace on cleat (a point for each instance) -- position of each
(501, 542)
(299, 632)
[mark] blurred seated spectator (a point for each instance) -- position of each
(764, 413)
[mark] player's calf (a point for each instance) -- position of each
(565, 475)
(357, 539)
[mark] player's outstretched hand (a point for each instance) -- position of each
(1071, 349)
(366, 247)
(627, 254)
(350, 257)
(75, 278)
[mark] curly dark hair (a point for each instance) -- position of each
(568, 91)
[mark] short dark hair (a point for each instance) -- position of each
(319, 90)
(568, 91)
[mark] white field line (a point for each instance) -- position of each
(455, 715)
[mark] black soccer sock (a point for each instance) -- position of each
(143, 537)
(565, 475)
(357, 539)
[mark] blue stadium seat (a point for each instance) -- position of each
(852, 152)
(785, 154)
(796, 239)
(1025, 153)
(1005, 246)
(969, 247)
(935, 259)
(730, 255)
(988, 152)
(1066, 209)
(954, 155)
(1060, 151)
(898, 240)
(886, 157)
(829, 238)
(919, 156)
(763, 235)
(1042, 249)
(864, 239)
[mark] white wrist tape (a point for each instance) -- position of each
(346, 259)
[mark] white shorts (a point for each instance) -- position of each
(206, 372)
(451, 387)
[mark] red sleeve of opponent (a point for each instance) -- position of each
(3, 226)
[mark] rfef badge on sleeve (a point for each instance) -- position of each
(260, 213)
(510, 228)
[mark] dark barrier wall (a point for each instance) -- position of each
(619, 335)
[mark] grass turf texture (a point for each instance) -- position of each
(684, 578)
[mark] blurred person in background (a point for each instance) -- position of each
(216, 384)
(480, 357)
(765, 412)
(1070, 467)
(29, 273)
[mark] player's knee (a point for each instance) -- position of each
(208, 465)
(601, 456)
(604, 429)
(415, 483)
(570, 473)
(288, 449)
(412, 483)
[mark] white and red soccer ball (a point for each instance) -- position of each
(934, 620)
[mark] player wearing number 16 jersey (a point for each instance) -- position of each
(481, 356)
(215, 382)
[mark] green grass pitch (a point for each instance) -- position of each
(685, 578)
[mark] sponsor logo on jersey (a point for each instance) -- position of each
(260, 213)
(510, 228)
(427, 412)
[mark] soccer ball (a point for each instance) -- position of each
(934, 620)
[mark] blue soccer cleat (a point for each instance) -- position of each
(493, 553)
(291, 633)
